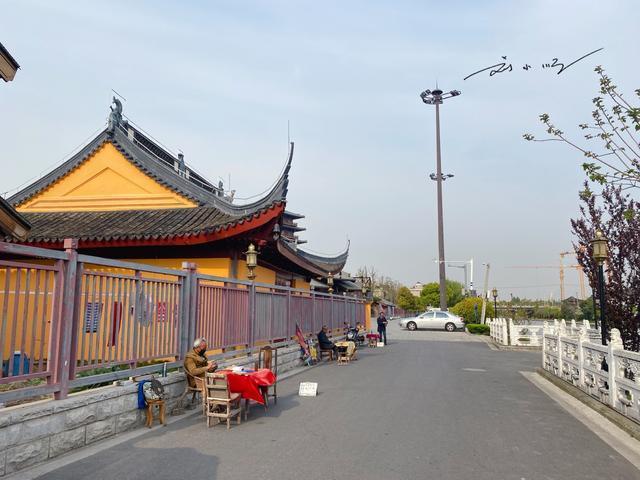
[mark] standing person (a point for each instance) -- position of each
(382, 326)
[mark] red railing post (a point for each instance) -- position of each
(313, 312)
(66, 325)
(138, 300)
(252, 314)
(289, 334)
(189, 310)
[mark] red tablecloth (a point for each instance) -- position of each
(372, 335)
(248, 384)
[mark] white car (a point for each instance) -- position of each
(433, 319)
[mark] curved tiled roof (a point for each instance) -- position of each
(126, 225)
(159, 171)
(320, 265)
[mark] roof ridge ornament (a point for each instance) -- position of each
(115, 117)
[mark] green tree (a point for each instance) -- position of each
(615, 130)
(547, 313)
(430, 294)
(406, 299)
(466, 308)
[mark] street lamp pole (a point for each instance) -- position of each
(436, 98)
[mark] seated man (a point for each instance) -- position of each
(196, 363)
(324, 342)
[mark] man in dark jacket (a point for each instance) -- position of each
(323, 341)
(382, 326)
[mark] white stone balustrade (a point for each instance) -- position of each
(608, 373)
(506, 331)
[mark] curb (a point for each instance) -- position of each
(626, 424)
(507, 348)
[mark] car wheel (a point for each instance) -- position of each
(412, 326)
(450, 327)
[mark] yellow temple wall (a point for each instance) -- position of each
(106, 181)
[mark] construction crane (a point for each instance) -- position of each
(580, 271)
(561, 267)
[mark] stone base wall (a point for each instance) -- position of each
(33, 433)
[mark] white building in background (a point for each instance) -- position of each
(416, 289)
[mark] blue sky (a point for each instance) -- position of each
(220, 81)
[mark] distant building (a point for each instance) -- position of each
(8, 65)
(416, 289)
(573, 301)
(12, 223)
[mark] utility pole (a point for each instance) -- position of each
(436, 97)
(485, 293)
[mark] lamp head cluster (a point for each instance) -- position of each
(433, 97)
(443, 176)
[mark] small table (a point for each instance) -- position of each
(373, 339)
(249, 385)
(346, 351)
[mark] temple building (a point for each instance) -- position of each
(125, 196)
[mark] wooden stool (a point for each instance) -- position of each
(326, 353)
(373, 341)
(343, 358)
(160, 405)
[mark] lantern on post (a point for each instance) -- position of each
(600, 255)
(494, 293)
(252, 261)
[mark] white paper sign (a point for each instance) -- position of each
(380, 344)
(308, 389)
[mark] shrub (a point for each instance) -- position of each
(478, 328)
(468, 307)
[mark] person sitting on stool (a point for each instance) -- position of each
(196, 363)
(324, 342)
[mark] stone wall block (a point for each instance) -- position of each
(3, 461)
(114, 406)
(41, 427)
(76, 401)
(81, 416)
(10, 436)
(99, 430)
(26, 455)
(65, 441)
(129, 420)
(33, 411)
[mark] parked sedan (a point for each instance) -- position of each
(433, 319)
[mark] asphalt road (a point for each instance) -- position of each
(429, 406)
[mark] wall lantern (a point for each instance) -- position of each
(252, 261)
(330, 282)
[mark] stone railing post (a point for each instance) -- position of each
(614, 344)
(560, 332)
(545, 329)
(504, 334)
(583, 337)
(512, 332)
